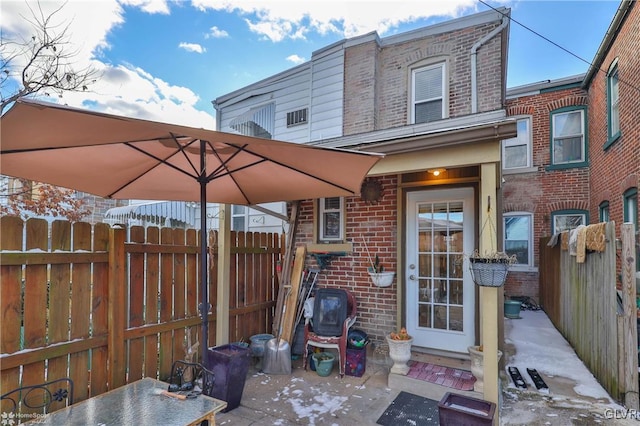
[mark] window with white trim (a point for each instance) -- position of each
(428, 93)
(239, 218)
(331, 223)
(565, 220)
(518, 237)
(630, 214)
(568, 142)
(613, 100)
(516, 152)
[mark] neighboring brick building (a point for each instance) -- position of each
(538, 191)
(613, 86)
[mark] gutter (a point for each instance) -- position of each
(474, 59)
(607, 41)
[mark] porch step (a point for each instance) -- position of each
(425, 389)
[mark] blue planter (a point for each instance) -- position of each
(512, 309)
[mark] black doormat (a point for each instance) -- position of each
(410, 409)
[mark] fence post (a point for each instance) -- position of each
(630, 338)
(117, 308)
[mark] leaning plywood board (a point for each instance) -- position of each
(291, 301)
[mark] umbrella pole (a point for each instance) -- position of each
(204, 263)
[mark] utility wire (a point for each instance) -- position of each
(556, 44)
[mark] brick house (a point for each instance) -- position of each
(534, 204)
(600, 177)
(613, 86)
(432, 101)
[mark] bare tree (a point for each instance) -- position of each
(42, 63)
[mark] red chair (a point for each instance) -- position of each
(338, 342)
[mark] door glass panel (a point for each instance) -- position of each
(424, 316)
(440, 246)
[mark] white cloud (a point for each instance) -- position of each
(192, 47)
(216, 32)
(149, 6)
(121, 89)
(277, 20)
(295, 59)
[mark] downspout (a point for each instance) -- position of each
(474, 59)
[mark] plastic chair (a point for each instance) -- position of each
(338, 342)
(57, 393)
(191, 378)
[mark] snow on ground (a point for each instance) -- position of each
(540, 345)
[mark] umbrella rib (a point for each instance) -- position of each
(223, 166)
(160, 161)
(295, 169)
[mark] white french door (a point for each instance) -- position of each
(440, 296)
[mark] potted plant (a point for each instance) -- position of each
(379, 277)
(400, 351)
(477, 366)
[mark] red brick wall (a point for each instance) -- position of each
(616, 169)
(377, 224)
(543, 191)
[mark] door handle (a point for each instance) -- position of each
(412, 277)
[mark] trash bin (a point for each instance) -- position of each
(455, 409)
(356, 362)
(230, 364)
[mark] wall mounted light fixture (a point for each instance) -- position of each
(437, 172)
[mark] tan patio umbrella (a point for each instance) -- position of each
(126, 158)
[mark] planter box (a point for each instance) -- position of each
(457, 409)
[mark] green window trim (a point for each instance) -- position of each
(585, 139)
(568, 212)
(604, 212)
(613, 102)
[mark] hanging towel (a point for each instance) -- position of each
(581, 243)
(553, 240)
(564, 240)
(596, 237)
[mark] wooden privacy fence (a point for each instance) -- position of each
(596, 318)
(88, 303)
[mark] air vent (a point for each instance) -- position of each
(297, 117)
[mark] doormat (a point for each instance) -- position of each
(410, 409)
(440, 375)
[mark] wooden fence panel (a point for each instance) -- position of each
(151, 305)
(11, 297)
(99, 315)
(35, 302)
(81, 311)
(136, 304)
(59, 301)
(65, 283)
(581, 301)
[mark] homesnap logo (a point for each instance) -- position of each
(10, 419)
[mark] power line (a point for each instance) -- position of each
(556, 44)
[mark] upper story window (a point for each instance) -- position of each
(428, 93)
(239, 218)
(604, 211)
(331, 224)
(565, 220)
(516, 152)
(518, 237)
(258, 122)
(613, 101)
(568, 137)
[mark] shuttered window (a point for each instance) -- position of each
(297, 117)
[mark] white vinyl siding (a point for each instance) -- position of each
(327, 95)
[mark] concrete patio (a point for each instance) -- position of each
(304, 398)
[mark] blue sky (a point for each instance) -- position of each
(167, 60)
